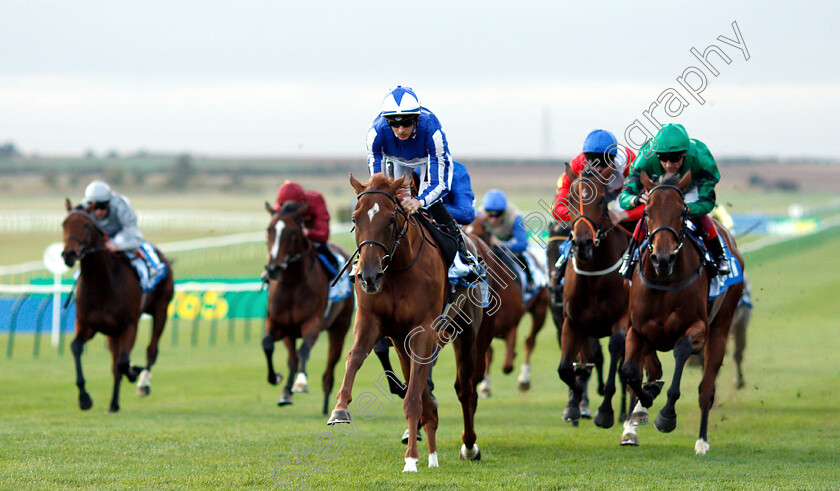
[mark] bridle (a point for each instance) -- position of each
(680, 236)
(84, 245)
(289, 260)
(397, 235)
(597, 233)
(685, 280)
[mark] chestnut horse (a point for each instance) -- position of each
(595, 297)
(668, 305)
(297, 303)
(507, 317)
(402, 290)
(109, 300)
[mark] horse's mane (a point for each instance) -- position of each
(291, 208)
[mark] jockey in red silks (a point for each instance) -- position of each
(600, 149)
(316, 217)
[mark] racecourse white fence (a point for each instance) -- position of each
(27, 221)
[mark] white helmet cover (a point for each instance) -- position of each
(97, 192)
(399, 102)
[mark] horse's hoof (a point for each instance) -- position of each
(664, 423)
(85, 402)
(639, 416)
(484, 389)
(339, 416)
(284, 401)
(523, 385)
(739, 383)
(410, 464)
(604, 419)
(571, 413)
(275, 378)
(629, 440)
(701, 446)
(470, 454)
(585, 412)
(143, 383)
(506, 369)
(115, 408)
(405, 437)
(301, 384)
(433, 460)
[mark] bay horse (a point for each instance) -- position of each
(556, 236)
(511, 310)
(298, 303)
(109, 300)
(668, 305)
(595, 297)
(402, 289)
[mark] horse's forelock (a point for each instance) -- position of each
(380, 182)
(291, 208)
(669, 179)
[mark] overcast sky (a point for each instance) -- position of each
(527, 78)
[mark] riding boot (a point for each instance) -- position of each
(453, 230)
(529, 277)
(324, 250)
(628, 260)
(716, 248)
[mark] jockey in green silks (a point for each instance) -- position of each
(673, 152)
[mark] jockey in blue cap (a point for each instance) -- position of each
(504, 225)
(406, 136)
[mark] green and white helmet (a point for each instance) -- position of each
(97, 192)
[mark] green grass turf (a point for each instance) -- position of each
(211, 420)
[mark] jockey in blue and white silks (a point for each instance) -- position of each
(406, 136)
(460, 200)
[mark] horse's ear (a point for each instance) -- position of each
(646, 182)
(397, 184)
(359, 187)
(269, 208)
(570, 173)
(685, 181)
(68, 204)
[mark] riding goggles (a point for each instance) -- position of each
(405, 122)
(670, 156)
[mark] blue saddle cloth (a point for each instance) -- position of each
(150, 269)
(342, 288)
(719, 284)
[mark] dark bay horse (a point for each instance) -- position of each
(507, 317)
(402, 289)
(298, 303)
(595, 297)
(668, 305)
(556, 237)
(109, 300)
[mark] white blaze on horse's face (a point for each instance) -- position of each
(278, 230)
(373, 211)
